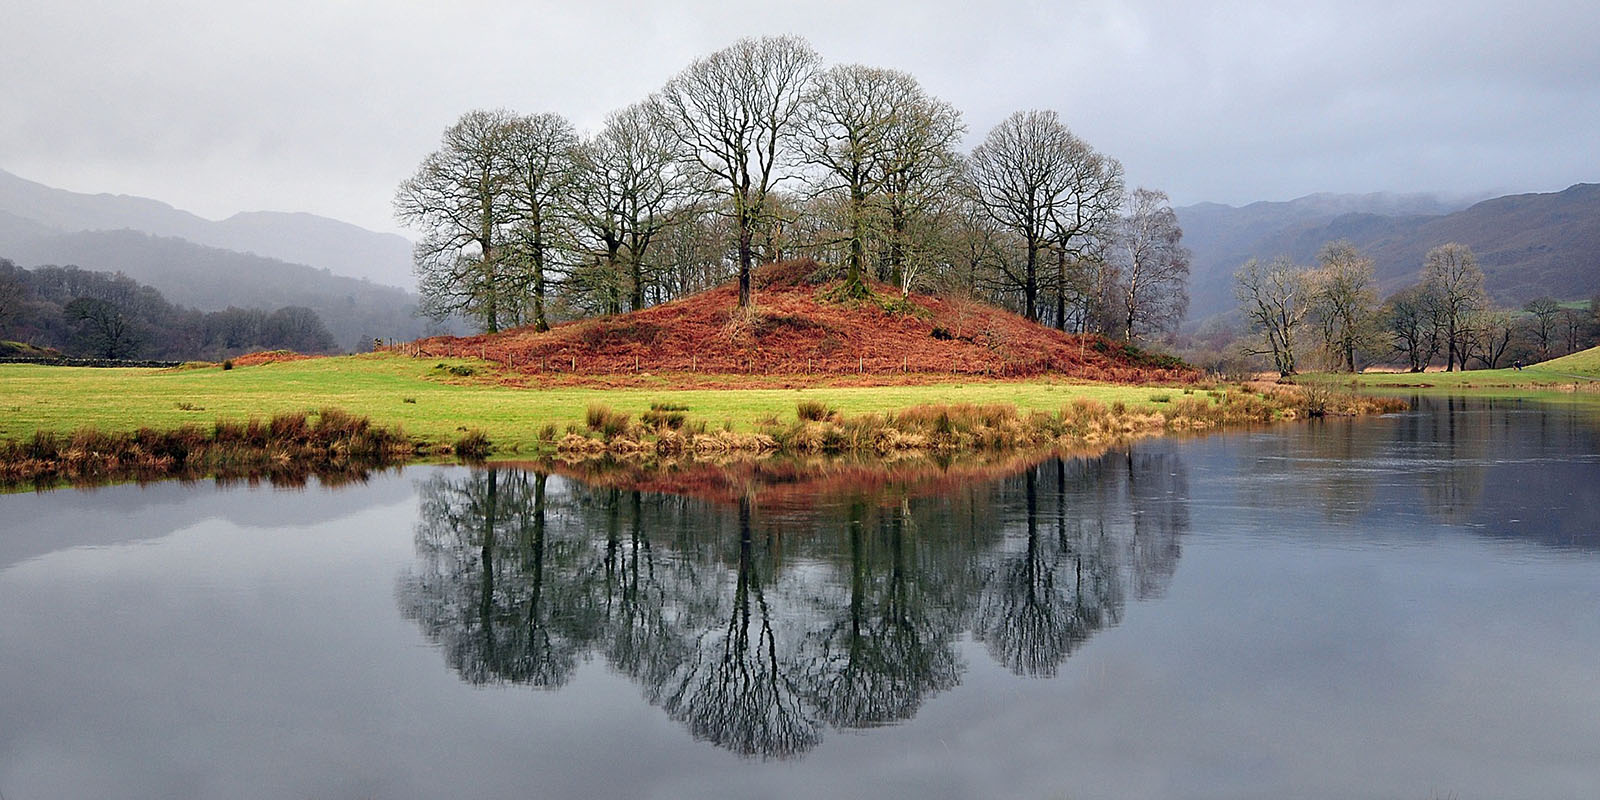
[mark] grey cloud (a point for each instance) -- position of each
(326, 106)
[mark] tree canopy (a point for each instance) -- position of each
(758, 152)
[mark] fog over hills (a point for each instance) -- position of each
(359, 281)
(212, 279)
(299, 238)
(355, 279)
(1528, 244)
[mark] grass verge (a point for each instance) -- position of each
(441, 404)
(1578, 373)
(461, 406)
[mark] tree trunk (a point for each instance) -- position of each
(491, 306)
(1061, 290)
(897, 254)
(539, 322)
(858, 235)
(1030, 289)
(745, 257)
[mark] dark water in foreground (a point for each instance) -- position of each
(1404, 607)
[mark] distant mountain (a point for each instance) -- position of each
(299, 238)
(211, 279)
(1528, 245)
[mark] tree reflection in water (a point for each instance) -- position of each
(491, 589)
(757, 631)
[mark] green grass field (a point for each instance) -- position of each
(1580, 370)
(63, 399)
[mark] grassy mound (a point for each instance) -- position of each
(802, 326)
(1583, 362)
(24, 350)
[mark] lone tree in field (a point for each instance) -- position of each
(735, 113)
(1275, 300)
(1029, 175)
(460, 199)
(104, 327)
(1152, 264)
(1450, 273)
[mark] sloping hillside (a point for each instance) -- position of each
(211, 279)
(344, 249)
(1584, 362)
(1529, 245)
(798, 330)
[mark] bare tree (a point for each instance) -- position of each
(1019, 176)
(540, 151)
(1573, 326)
(1544, 317)
(1152, 265)
(847, 121)
(1451, 273)
(1491, 335)
(734, 112)
(297, 328)
(1410, 322)
(1275, 298)
(105, 327)
(693, 255)
(459, 199)
(1083, 225)
(921, 176)
(629, 192)
(1344, 300)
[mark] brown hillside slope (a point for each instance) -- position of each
(797, 331)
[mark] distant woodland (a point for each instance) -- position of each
(212, 279)
(1328, 316)
(1528, 245)
(89, 314)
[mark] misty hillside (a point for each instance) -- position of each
(1528, 245)
(211, 279)
(29, 209)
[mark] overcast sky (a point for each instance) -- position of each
(219, 107)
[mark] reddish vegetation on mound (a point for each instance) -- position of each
(796, 330)
(267, 357)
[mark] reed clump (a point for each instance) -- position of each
(604, 421)
(665, 416)
(473, 445)
(819, 429)
(327, 441)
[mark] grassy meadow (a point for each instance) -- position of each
(1578, 372)
(434, 403)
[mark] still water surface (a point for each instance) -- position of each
(1396, 607)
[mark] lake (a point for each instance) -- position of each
(1399, 607)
